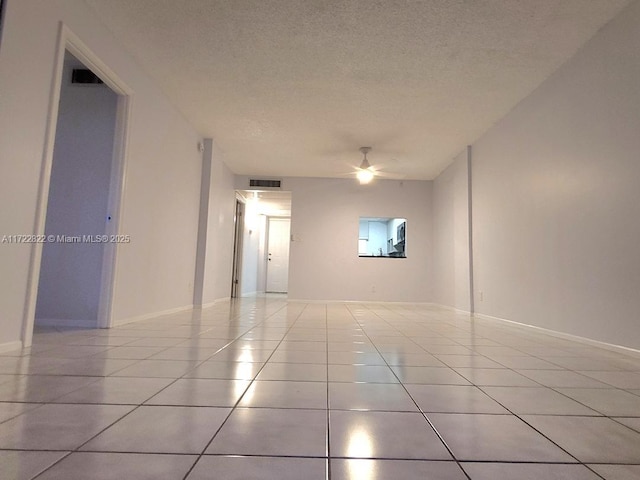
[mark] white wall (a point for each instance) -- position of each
(556, 201)
(70, 273)
(324, 262)
(155, 272)
(451, 236)
(254, 231)
(203, 222)
(220, 228)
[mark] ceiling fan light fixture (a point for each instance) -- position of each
(364, 175)
(365, 164)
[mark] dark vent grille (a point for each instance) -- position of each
(85, 76)
(265, 183)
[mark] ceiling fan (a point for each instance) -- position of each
(365, 172)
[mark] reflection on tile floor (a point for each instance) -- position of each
(266, 389)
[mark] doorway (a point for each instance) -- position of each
(71, 269)
(87, 303)
(252, 264)
(278, 255)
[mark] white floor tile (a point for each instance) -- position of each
(262, 388)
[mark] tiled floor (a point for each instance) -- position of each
(266, 389)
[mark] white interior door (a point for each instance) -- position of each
(278, 255)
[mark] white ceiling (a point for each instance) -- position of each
(295, 87)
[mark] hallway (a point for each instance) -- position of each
(270, 389)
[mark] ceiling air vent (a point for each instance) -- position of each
(254, 182)
(85, 76)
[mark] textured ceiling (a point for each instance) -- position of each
(293, 87)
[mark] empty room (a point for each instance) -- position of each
(319, 239)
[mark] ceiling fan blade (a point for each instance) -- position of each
(379, 169)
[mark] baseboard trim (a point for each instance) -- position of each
(211, 304)
(453, 309)
(65, 322)
(10, 346)
(147, 316)
(566, 336)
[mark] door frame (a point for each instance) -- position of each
(238, 236)
(68, 41)
(3, 6)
